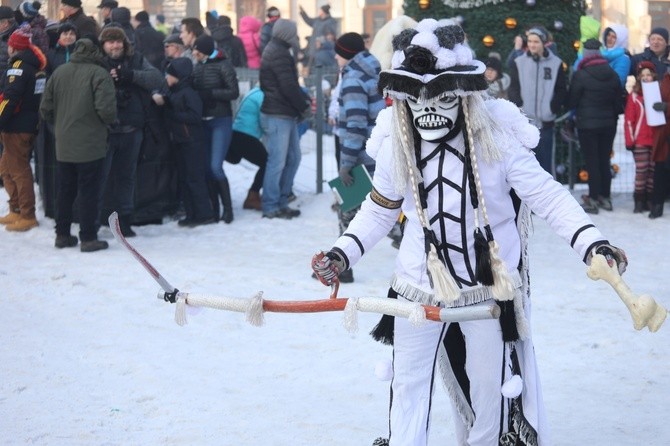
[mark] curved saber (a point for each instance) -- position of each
(255, 307)
(391, 307)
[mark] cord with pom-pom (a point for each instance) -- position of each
(180, 310)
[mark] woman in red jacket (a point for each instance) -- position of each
(660, 152)
(640, 138)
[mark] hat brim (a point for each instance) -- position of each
(458, 79)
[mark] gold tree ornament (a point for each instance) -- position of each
(424, 4)
(510, 23)
(488, 41)
(576, 45)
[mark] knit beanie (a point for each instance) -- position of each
(349, 44)
(20, 39)
(142, 16)
(649, 65)
(30, 9)
(495, 64)
(661, 32)
(6, 13)
(273, 12)
(591, 48)
(181, 68)
(73, 3)
(67, 26)
(325, 9)
(539, 32)
(204, 44)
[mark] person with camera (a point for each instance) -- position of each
(134, 80)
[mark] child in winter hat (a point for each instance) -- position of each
(29, 10)
(348, 45)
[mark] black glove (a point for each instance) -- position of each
(327, 266)
(660, 106)
(345, 176)
(630, 148)
(612, 254)
(124, 76)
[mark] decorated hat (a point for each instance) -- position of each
(431, 61)
(30, 9)
(20, 39)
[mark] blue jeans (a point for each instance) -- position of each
(545, 149)
(218, 132)
(120, 170)
(283, 145)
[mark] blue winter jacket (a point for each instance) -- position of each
(360, 102)
(248, 117)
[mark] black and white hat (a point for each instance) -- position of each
(432, 60)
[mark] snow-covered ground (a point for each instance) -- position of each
(90, 356)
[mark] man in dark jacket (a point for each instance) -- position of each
(134, 79)
(184, 121)
(266, 30)
(284, 102)
(80, 102)
(595, 94)
(656, 52)
(24, 84)
(72, 13)
(105, 8)
(149, 42)
(228, 42)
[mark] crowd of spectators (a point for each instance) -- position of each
(186, 77)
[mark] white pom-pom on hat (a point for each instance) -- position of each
(427, 25)
(427, 40)
(512, 387)
(463, 54)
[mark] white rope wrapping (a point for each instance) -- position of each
(351, 315)
(254, 311)
(445, 287)
(180, 310)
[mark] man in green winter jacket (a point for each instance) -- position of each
(80, 102)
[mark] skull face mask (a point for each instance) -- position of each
(435, 118)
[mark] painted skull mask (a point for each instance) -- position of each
(434, 118)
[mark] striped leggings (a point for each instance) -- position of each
(644, 170)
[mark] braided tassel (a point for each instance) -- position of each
(503, 289)
(444, 286)
(483, 271)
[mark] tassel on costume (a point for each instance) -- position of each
(383, 331)
(503, 289)
(508, 321)
(483, 271)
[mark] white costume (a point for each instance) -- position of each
(448, 189)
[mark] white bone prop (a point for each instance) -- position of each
(644, 309)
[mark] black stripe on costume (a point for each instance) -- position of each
(579, 231)
(384, 202)
(593, 245)
(358, 242)
(343, 255)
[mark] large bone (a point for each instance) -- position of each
(644, 309)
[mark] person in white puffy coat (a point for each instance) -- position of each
(459, 165)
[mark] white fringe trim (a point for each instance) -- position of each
(351, 315)
(454, 389)
(254, 311)
(469, 296)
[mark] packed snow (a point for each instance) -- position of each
(90, 356)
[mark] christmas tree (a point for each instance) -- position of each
(491, 25)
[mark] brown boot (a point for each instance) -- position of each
(22, 224)
(253, 201)
(9, 218)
